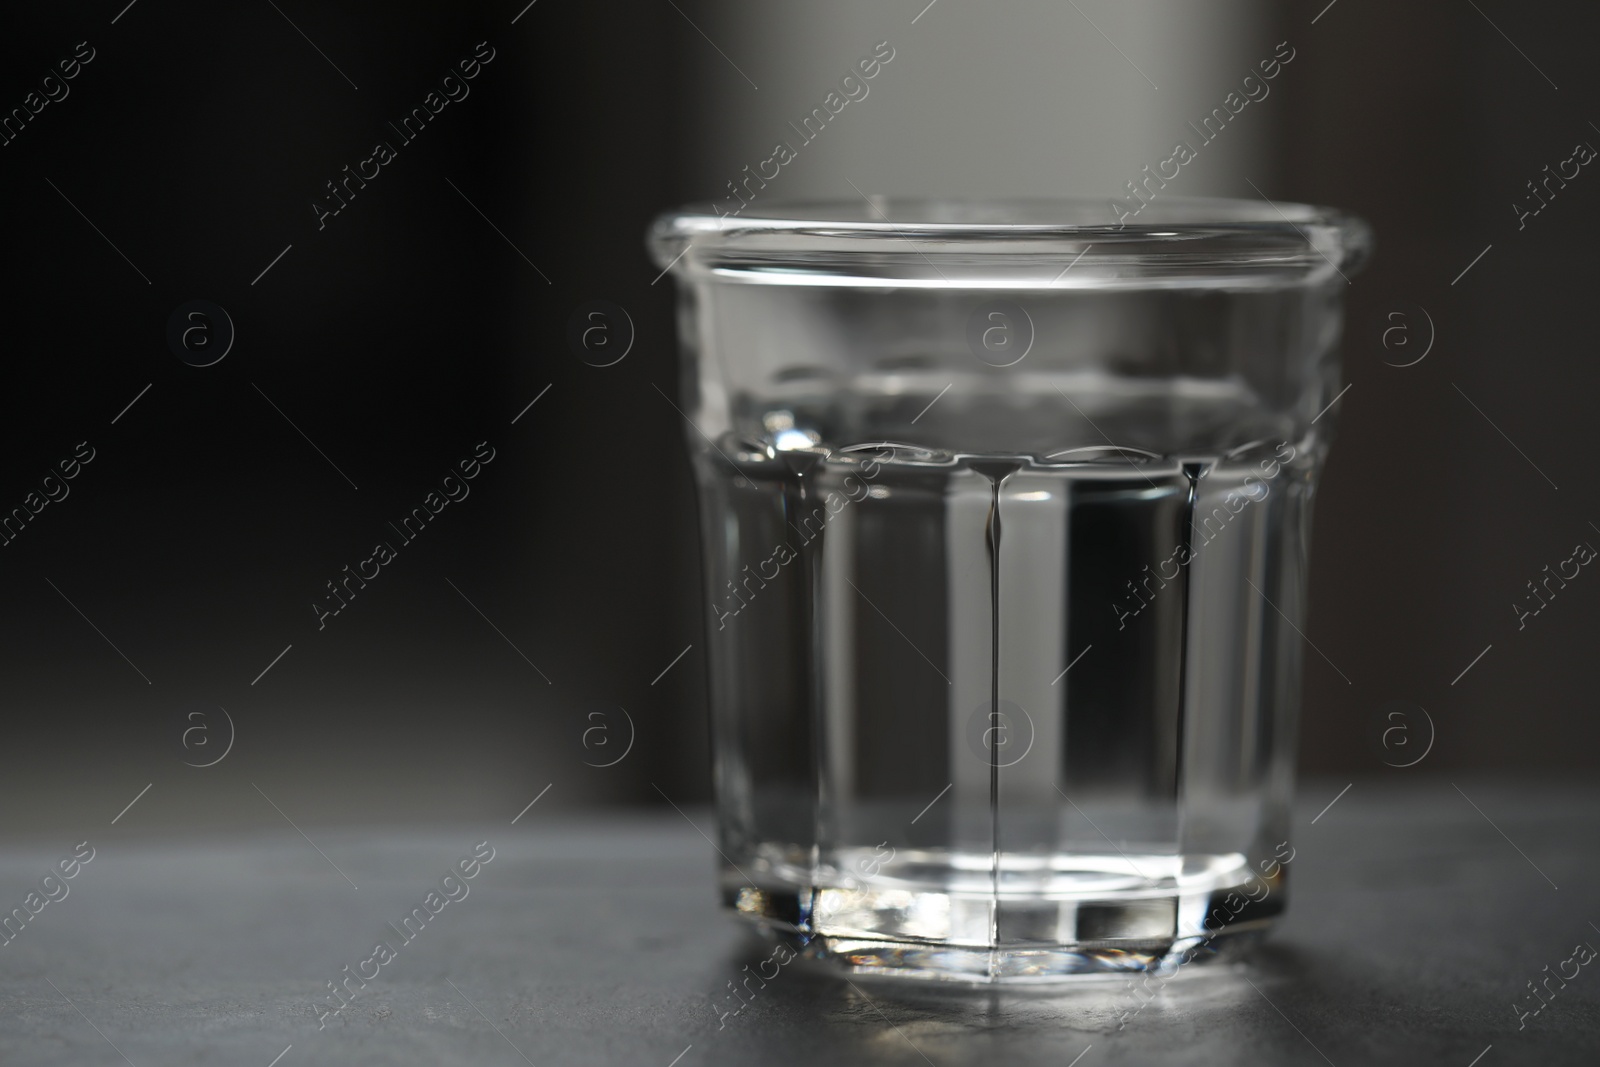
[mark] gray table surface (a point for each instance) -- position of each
(1414, 926)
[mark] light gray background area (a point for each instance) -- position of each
(1021, 98)
(1413, 928)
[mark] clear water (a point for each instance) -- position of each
(1021, 708)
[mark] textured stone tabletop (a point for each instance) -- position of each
(1414, 929)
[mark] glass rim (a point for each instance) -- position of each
(1013, 242)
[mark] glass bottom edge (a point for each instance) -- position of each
(1012, 965)
(1199, 928)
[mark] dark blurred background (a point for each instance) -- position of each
(530, 632)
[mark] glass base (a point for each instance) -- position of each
(1016, 965)
(1076, 918)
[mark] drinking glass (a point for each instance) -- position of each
(1004, 511)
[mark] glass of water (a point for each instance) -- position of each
(1005, 513)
